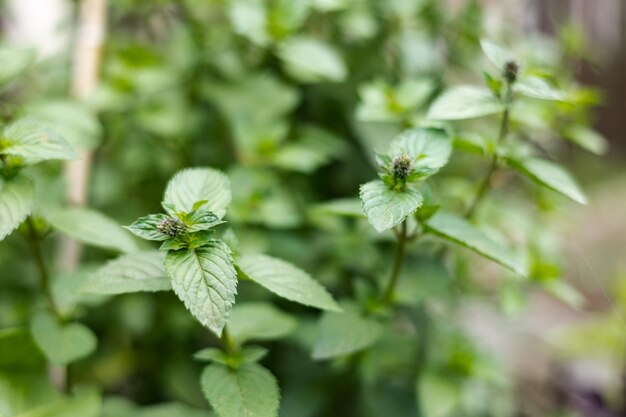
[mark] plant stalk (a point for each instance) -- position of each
(229, 343)
(44, 275)
(388, 294)
(493, 166)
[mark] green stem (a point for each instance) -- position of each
(423, 330)
(230, 345)
(493, 166)
(44, 275)
(388, 294)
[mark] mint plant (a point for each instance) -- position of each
(203, 272)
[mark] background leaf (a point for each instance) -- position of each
(259, 321)
(550, 175)
(141, 271)
(91, 227)
(62, 343)
(340, 334)
(464, 102)
(286, 280)
(459, 230)
(310, 60)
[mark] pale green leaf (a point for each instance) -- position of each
(16, 202)
(206, 281)
(311, 60)
(92, 228)
(141, 271)
(496, 54)
(286, 280)
(73, 120)
(33, 141)
(191, 185)
(340, 334)
(385, 207)
(349, 207)
(438, 396)
(550, 175)
(259, 321)
(428, 148)
(465, 102)
(62, 343)
(249, 391)
(536, 87)
(13, 61)
(587, 139)
(459, 230)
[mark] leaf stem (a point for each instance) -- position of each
(388, 294)
(44, 276)
(230, 345)
(493, 166)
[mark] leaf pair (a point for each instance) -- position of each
(178, 229)
(389, 201)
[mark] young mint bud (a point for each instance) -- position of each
(171, 226)
(401, 166)
(511, 69)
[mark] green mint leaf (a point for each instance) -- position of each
(199, 239)
(249, 390)
(146, 227)
(201, 220)
(193, 185)
(33, 142)
(206, 281)
(385, 207)
(259, 321)
(550, 175)
(498, 55)
(465, 102)
(309, 60)
(428, 148)
(91, 227)
(344, 333)
(16, 203)
(141, 271)
(62, 343)
(174, 244)
(539, 88)
(286, 280)
(459, 230)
